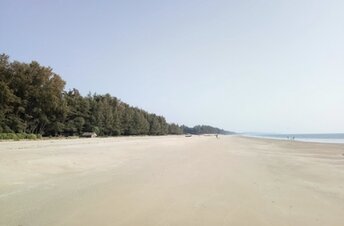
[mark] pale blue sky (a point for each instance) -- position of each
(264, 66)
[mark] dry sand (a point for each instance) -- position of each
(171, 180)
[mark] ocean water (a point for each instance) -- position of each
(320, 137)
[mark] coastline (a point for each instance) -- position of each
(297, 139)
(171, 180)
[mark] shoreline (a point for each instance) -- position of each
(305, 140)
(171, 180)
(310, 140)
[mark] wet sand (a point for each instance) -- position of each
(171, 180)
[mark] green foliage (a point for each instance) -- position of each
(31, 136)
(33, 101)
(8, 136)
(31, 97)
(203, 129)
(175, 129)
(18, 136)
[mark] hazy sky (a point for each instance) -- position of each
(265, 66)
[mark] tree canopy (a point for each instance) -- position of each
(33, 100)
(204, 129)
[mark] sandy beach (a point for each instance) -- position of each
(171, 180)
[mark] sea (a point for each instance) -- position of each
(315, 137)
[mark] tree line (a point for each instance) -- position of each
(204, 129)
(33, 100)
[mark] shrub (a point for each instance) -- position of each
(8, 136)
(31, 136)
(21, 135)
(18, 136)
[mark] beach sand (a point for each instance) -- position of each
(172, 180)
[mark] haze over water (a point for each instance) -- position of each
(320, 137)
